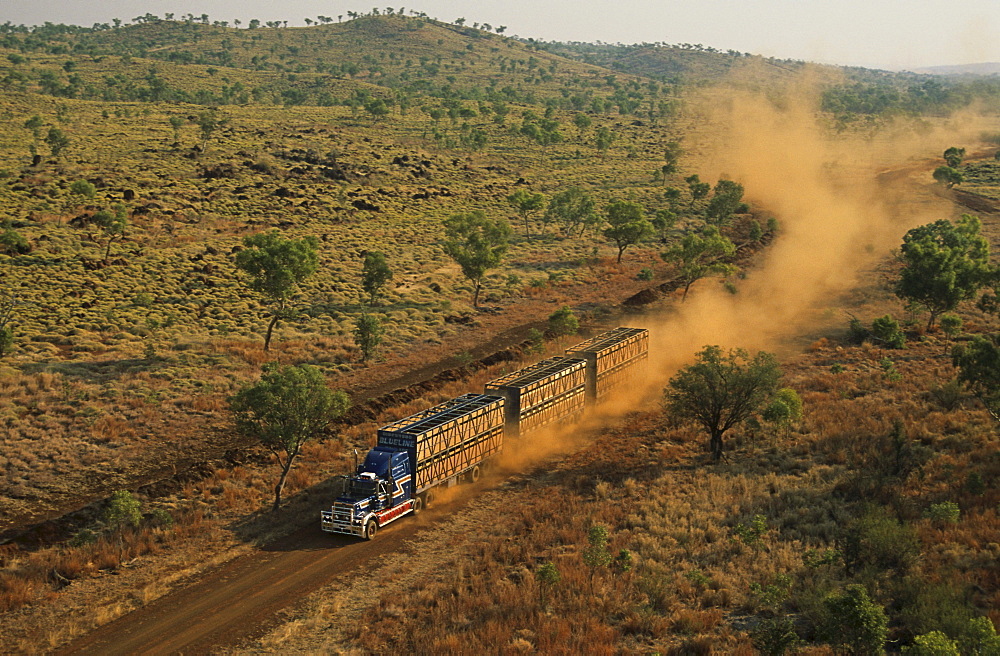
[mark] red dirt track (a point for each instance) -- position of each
(242, 599)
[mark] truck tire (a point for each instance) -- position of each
(428, 499)
(474, 474)
(371, 529)
(418, 504)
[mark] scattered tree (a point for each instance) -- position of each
(526, 202)
(581, 121)
(784, 410)
(13, 242)
(547, 576)
(857, 622)
(207, 124)
(953, 156)
(123, 510)
(671, 158)
(57, 141)
(276, 266)
(721, 390)
(727, 200)
(628, 224)
(603, 139)
(978, 364)
(176, 122)
(948, 176)
(563, 322)
(375, 275)
(287, 407)
(477, 244)
(113, 223)
(698, 255)
(8, 304)
(83, 188)
(944, 263)
(698, 188)
(572, 208)
(368, 334)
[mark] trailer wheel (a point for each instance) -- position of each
(428, 499)
(418, 504)
(474, 474)
(371, 528)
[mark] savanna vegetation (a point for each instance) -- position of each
(204, 224)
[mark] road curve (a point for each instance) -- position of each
(241, 599)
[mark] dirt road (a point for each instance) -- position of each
(241, 599)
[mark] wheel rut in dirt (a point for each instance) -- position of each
(243, 598)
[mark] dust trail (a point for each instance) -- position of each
(842, 205)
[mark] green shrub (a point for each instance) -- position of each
(563, 322)
(934, 643)
(980, 638)
(974, 484)
(161, 518)
(83, 537)
(878, 542)
(947, 396)
(886, 330)
(774, 636)
(83, 188)
(12, 243)
(752, 533)
(855, 621)
(123, 510)
(946, 512)
(645, 274)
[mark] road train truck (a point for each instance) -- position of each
(454, 440)
(440, 446)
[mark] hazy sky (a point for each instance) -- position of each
(877, 33)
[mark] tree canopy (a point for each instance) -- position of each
(275, 266)
(944, 263)
(477, 244)
(573, 209)
(697, 255)
(288, 406)
(978, 365)
(526, 202)
(721, 390)
(628, 224)
(375, 275)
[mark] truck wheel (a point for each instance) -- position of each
(371, 528)
(474, 474)
(428, 499)
(418, 504)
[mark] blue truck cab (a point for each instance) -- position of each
(380, 491)
(437, 447)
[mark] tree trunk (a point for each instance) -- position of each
(621, 249)
(715, 445)
(107, 251)
(527, 234)
(687, 286)
(475, 297)
(270, 328)
(930, 321)
(280, 486)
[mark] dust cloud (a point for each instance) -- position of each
(843, 201)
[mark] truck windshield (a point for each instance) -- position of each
(361, 487)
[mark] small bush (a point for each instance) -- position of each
(645, 274)
(947, 396)
(83, 188)
(934, 643)
(878, 542)
(563, 322)
(946, 512)
(161, 518)
(886, 330)
(752, 533)
(856, 621)
(774, 636)
(83, 537)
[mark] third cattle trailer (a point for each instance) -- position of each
(613, 358)
(548, 391)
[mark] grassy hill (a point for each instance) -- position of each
(367, 134)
